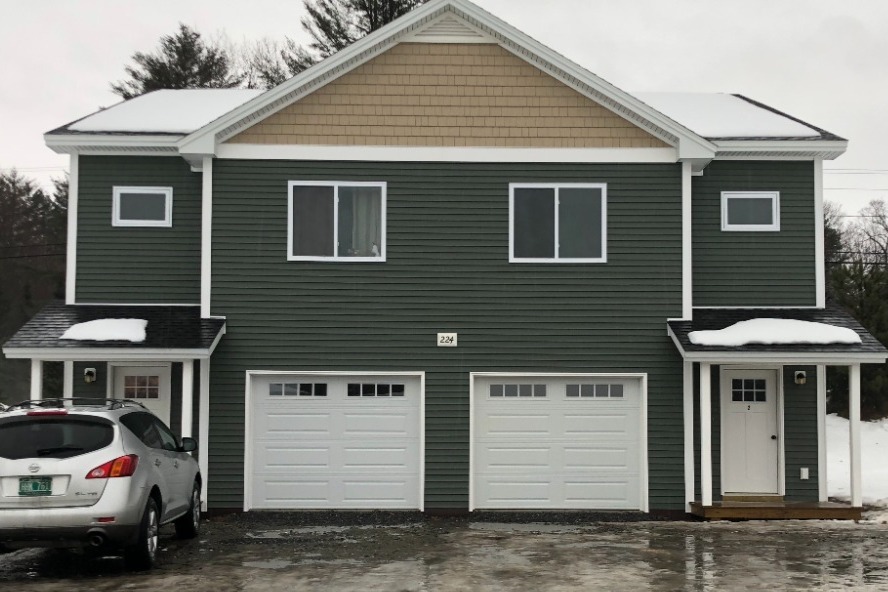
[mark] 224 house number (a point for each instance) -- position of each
(447, 340)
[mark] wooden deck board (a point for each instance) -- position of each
(776, 511)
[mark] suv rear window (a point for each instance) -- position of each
(29, 437)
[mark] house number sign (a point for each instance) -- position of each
(446, 339)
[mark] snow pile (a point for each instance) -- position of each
(167, 111)
(774, 332)
(719, 115)
(108, 330)
(874, 461)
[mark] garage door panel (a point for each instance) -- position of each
(564, 450)
(334, 451)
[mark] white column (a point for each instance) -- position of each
(854, 421)
(68, 379)
(203, 457)
(688, 386)
(687, 264)
(36, 380)
(821, 434)
(705, 435)
(71, 251)
(187, 397)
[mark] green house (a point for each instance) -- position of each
(447, 269)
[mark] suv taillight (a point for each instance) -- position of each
(122, 466)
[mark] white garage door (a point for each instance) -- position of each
(321, 441)
(557, 442)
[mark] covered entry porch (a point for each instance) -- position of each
(166, 367)
(755, 411)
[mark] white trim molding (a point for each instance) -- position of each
(854, 435)
(203, 430)
(687, 241)
(118, 193)
(819, 238)
(688, 414)
(705, 435)
(206, 237)
(822, 489)
(71, 253)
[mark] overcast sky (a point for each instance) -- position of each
(824, 61)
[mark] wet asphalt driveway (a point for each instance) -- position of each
(286, 552)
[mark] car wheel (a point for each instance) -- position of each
(141, 556)
(188, 525)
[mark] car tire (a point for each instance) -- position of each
(142, 555)
(188, 525)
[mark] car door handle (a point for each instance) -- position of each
(156, 462)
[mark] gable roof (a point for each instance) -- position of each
(699, 127)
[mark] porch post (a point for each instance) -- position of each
(823, 492)
(854, 423)
(68, 379)
(705, 435)
(36, 379)
(688, 386)
(203, 455)
(187, 397)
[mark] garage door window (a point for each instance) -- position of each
(525, 390)
(595, 391)
(373, 389)
(297, 389)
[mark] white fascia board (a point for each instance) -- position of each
(806, 149)
(690, 145)
(109, 354)
(101, 143)
(445, 154)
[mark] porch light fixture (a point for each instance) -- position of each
(89, 375)
(800, 377)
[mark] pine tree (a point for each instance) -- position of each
(333, 25)
(183, 60)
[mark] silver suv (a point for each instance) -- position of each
(97, 474)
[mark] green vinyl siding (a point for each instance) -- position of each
(126, 264)
(755, 268)
(447, 270)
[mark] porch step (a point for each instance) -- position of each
(733, 510)
(752, 497)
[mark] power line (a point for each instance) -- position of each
(32, 245)
(29, 256)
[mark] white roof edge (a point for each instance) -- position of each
(101, 353)
(691, 145)
(64, 143)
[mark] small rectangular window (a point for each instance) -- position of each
(750, 211)
(336, 221)
(564, 222)
(142, 206)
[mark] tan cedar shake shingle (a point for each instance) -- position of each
(422, 94)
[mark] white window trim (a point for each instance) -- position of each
(335, 185)
(167, 192)
(556, 259)
(775, 211)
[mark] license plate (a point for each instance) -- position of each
(33, 486)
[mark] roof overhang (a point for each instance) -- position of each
(162, 144)
(108, 354)
(783, 149)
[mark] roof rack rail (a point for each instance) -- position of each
(60, 402)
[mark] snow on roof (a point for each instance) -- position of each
(719, 115)
(167, 111)
(774, 332)
(108, 330)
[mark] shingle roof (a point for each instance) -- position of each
(169, 327)
(713, 319)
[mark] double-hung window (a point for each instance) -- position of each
(142, 206)
(564, 222)
(336, 221)
(750, 211)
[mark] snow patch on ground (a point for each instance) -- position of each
(719, 115)
(108, 330)
(167, 111)
(874, 451)
(774, 332)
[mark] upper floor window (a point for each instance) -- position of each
(332, 220)
(750, 210)
(142, 206)
(564, 222)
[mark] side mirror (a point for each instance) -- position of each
(188, 445)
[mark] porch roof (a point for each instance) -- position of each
(172, 333)
(870, 350)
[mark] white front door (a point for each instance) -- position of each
(750, 444)
(149, 385)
